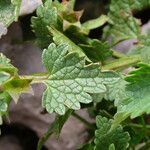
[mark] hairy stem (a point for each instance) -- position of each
(36, 78)
(122, 63)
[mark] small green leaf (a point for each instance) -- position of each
(6, 66)
(9, 11)
(107, 139)
(4, 102)
(3, 77)
(95, 23)
(46, 16)
(16, 86)
(70, 81)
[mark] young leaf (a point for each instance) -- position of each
(9, 12)
(10, 81)
(4, 102)
(70, 81)
(16, 86)
(46, 16)
(107, 139)
(6, 66)
(137, 99)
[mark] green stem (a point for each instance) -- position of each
(138, 125)
(88, 124)
(36, 78)
(122, 63)
(117, 54)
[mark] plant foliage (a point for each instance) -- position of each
(82, 70)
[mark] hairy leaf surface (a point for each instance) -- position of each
(105, 138)
(70, 80)
(137, 100)
(122, 24)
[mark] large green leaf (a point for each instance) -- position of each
(70, 81)
(106, 139)
(137, 91)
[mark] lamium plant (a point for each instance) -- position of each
(83, 72)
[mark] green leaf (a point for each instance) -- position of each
(46, 16)
(143, 49)
(97, 51)
(122, 24)
(70, 81)
(10, 81)
(6, 66)
(60, 38)
(3, 77)
(4, 102)
(9, 11)
(137, 92)
(116, 91)
(95, 23)
(105, 137)
(16, 86)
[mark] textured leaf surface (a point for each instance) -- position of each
(60, 38)
(70, 80)
(137, 92)
(9, 11)
(106, 139)
(123, 25)
(6, 66)
(46, 16)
